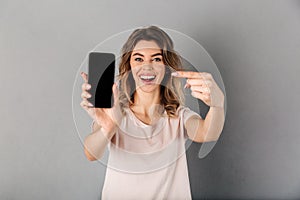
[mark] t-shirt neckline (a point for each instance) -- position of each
(143, 123)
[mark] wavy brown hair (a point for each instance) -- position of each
(171, 96)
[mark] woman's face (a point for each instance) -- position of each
(147, 65)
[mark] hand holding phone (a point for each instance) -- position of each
(107, 118)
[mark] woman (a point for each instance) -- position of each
(148, 125)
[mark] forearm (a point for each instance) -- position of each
(96, 142)
(213, 123)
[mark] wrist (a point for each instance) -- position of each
(219, 104)
(107, 133)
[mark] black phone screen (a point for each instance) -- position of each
(101, 72)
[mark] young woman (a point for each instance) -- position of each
(147, 127)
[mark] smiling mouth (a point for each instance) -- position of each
(147, 78)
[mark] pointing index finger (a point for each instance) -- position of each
(187, 74)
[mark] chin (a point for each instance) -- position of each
(149, 88)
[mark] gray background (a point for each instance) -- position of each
(255, 44)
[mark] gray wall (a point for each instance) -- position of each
(255, 44)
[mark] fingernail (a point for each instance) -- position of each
(88, 86)
(174, 74)
(185, 86)
(90, 104)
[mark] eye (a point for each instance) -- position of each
(138, 59)
(157, 59)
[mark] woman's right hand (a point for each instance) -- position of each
(107, 118)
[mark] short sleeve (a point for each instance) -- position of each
(187, 113)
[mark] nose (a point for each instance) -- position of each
(148, 66)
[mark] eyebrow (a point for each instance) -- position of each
(139, 54)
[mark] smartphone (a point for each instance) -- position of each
(101, 73)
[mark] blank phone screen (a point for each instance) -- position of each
(101, 73)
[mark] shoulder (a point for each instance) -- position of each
(185, 110)
(185, 113)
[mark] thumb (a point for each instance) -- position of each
(116, 93)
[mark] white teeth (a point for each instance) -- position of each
(147, 77)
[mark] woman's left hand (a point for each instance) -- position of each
(203, 87)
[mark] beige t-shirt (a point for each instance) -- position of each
(148, 161)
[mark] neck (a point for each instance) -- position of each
(143, 101)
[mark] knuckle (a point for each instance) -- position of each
(206, 83)
(88, 95)
(83, 86)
